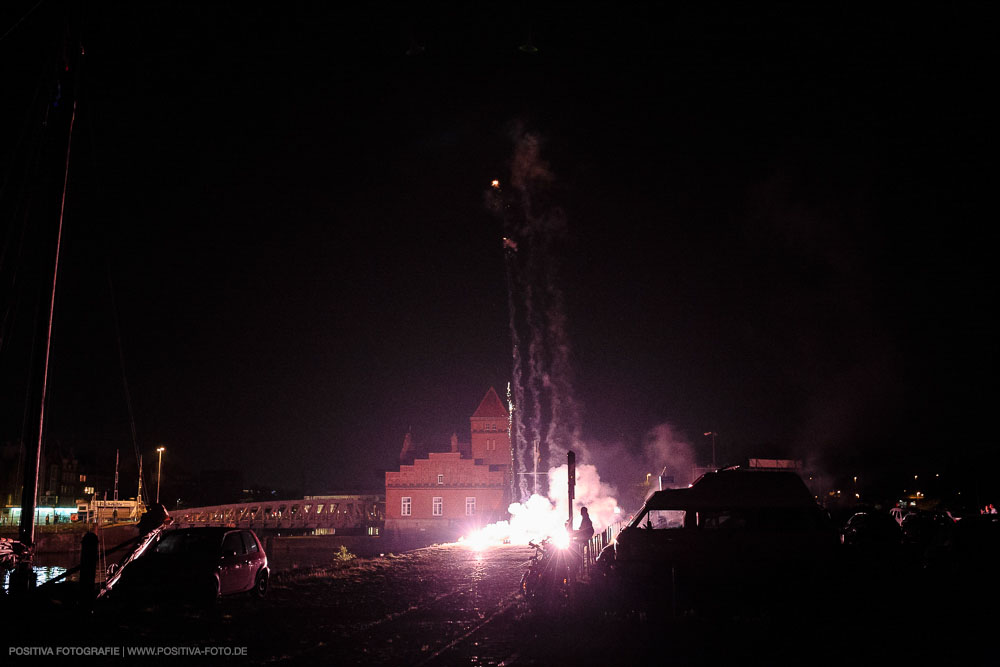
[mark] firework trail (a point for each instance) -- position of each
(532, 226)
(517, 422)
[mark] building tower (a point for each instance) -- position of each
(490, 439)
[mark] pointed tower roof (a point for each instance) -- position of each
(491, 407)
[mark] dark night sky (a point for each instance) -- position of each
(776, 227)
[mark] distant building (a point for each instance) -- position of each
(64, 484)
(63, 481)
(449, 490)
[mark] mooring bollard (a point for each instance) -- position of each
(88, 569)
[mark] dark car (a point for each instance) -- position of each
(928, 537)
(872, 530)
(731, 531)
(977, 543)
(198, 564)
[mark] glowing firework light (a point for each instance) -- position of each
(539, 517)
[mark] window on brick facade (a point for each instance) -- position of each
(470, 505)
(437, 506)
(406, 506)
(440, 479)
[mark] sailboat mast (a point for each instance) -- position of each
(138, 493)
(26, 533)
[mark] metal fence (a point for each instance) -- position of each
(598, 542)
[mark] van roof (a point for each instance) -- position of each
(736, 488)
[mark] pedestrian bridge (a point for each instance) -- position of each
(358, 514)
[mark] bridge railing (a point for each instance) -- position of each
(333, 512)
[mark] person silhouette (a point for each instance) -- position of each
(586, 530)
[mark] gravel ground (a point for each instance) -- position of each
(449, 605)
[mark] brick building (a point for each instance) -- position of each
(446, 491)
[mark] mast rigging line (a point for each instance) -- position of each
(21, 212)
(121, 361)
(55, 277)
(21, 20)
(27, 533)
(116, 320)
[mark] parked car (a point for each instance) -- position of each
(977, 543)
(928, 537)
(197, 564)
(900, 513)
(871, 530)
(730, 530)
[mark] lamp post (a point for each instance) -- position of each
(159, 466)
(713, 434)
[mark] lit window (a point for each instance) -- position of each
(89, 490)
(83, 478)
(437, 506)
(470, 505)
(440, 479)
(405, 508)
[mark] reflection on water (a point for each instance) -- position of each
(43, 573)
(48, 566)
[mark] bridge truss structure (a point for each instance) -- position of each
(358, 514)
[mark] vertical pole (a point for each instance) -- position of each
(159, 466)
(673, 592)
(571, 483)
(88, 569)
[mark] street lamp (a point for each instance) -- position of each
(159, 467)
(713, 434)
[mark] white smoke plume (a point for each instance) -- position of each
(665, 451)
(539, 517)
(590, 492)
(635, 470)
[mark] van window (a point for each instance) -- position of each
(663, 519)
(722, 520)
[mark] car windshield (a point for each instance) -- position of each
(189, 542)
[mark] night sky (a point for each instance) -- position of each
(776, 228)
